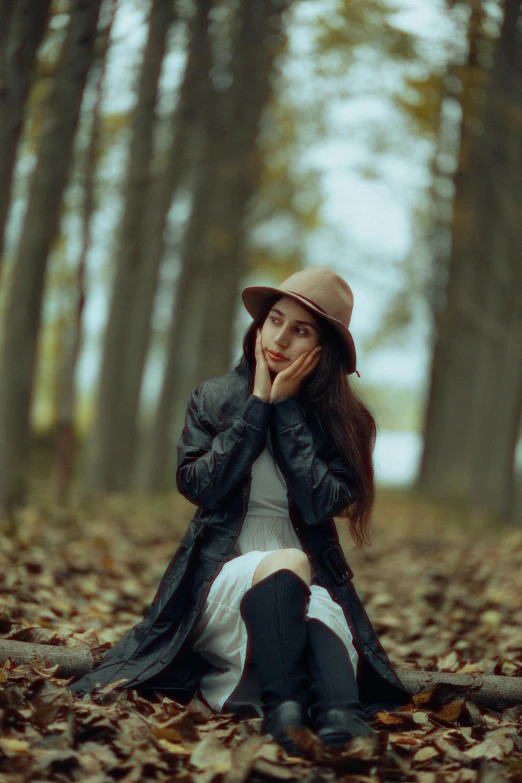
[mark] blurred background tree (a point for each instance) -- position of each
(475, 394)
(157, 156)
(40, 225)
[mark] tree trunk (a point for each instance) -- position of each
(492, 691)
(179, 157)
(213, 256)
(66, 444)
(23, 312)
(467, 456)
(453, 354)
(221, 247)
(23, 24)
(105, 470)
(495, 410)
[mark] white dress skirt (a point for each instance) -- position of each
(220, 635)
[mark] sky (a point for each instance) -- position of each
(368, 220)
(371, 220)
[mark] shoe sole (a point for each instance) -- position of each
(337, 739)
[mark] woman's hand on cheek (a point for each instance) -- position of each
(287, 382)
(262, 381)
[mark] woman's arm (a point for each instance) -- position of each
(209, 466)
(319, 487)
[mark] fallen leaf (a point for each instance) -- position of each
(425, 776)
(166, 733)
(174, 747)
(450, 751)
(11, 745)
(389, 719)
(426, 753)
(491, 748)
(211, 755)
(404, 740)
(450, 712)
(243, 759)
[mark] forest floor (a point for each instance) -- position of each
(443, 593)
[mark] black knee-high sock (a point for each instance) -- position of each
(274, 611)
(333, 682)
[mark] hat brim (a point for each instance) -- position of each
(256, 297)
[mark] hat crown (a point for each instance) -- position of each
(323, 288)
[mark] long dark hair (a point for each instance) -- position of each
(346, 420)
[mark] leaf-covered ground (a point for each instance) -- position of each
(443, 596)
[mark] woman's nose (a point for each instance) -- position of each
(280, 338)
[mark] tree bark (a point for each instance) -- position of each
(23, 311)
(495, 406)
(213, 255)
(107, 461)
(71, 662)
(66, 442)
(453, 355)
(178, 162)
(23, 24)
(488, 690)
(467, 456)
(196, 97)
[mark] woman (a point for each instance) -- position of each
(257, 607)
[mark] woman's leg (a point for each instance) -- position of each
(291, 559)
(333, 680)
(336, 712)
(274, 611)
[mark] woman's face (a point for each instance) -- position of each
(289, 330)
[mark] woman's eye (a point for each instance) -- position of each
(276, 320)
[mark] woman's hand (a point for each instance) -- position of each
(262, 381)
(287, 382)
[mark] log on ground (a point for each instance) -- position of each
(492, 691)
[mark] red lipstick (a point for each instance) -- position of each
(276, 357)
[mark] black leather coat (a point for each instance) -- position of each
(225, 431)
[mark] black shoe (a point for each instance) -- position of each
(337, 726)
(278, 719)
(336, 713)
(274, 611)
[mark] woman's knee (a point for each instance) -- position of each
(291, 559)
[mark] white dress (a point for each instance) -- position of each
(220, 634)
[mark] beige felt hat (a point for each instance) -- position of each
(319, 289)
